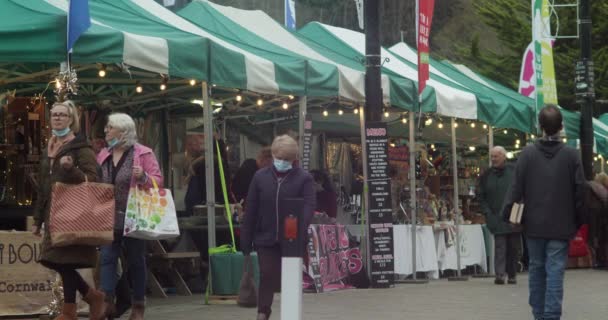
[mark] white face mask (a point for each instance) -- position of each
(282, 165)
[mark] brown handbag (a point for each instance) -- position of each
(82, 214)
(248, 296)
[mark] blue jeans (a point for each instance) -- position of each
(547, 265)
(136, 266)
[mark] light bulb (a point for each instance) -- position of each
(517, 141)
(102, 73)
(455, 124)
(440, 125)
(594, 158)
(472, 124)
(472, 148)
(433, 146)
(291, 97)
(192, 82)
(505, 131)
(57, 84)
(404, 120)
(565, 140)
(356, 111)
(285, 106)
(485, 126)
(533, 136)
(163, 86)
(386, 114)
(260, 102)
(139, 88)
(239, 98)
(340, 112)
(429, 121)
(325, 113)
(509, 155)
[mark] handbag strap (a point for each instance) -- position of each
(225, 192)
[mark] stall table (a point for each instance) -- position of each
(472, 249)
(426, 256)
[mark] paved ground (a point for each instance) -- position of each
(585, 299)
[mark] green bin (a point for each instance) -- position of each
(226, 272)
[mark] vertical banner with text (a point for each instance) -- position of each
(306, 143)
(379, 208)
(425, 19)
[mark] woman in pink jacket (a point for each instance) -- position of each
(125, 164)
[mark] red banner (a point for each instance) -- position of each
(425, 18)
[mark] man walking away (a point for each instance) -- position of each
(494, 184)
(549, 180)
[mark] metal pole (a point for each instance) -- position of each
(459, 276)
(413, 204)
(291, 288)
(301, 121)
(490, 143)
(210, 183)
(491, 146)
(373, 88)
(587, 106)
(365, 196)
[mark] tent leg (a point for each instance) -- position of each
(208, 127)
(459, 276)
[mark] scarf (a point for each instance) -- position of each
(55, 146)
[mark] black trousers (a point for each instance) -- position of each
(507, 248)
(72, 281)
(270, 277)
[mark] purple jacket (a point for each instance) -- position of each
(144, 157)
(262, 218)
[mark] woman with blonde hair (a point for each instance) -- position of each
(69, 158)
(265, 208)
(125, 164)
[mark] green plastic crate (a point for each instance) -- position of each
(226, 272)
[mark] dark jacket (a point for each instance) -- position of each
(84, 164)
(196, 193)
(493, 187)
(549, 180)
(263, 215)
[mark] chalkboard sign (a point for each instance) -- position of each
(379, 208)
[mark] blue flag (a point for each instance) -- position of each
(290, 14)
(79, 20)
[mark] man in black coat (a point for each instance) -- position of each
(549, 180)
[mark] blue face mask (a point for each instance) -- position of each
(112, 143)
(282, 165)
(61, 133)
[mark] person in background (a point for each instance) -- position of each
(69, 158)
(270, 188)
(549, 180)
(494, 184)
(244, 175)
(327, 199)
(197, 179)
(125, 164)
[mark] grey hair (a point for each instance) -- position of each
(125, 124)
(500, 149)
(72, 112)
(284, 147)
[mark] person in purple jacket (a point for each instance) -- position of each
(261, 223)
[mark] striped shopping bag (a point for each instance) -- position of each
(81, 214)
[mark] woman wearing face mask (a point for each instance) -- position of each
(69, 158)
(125, 164)
(261, 225)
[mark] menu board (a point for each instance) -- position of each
(380, 210)
(306, 142)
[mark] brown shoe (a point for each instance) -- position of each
(137, 311)
(97, 304)
(68, 312)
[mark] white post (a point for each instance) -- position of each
(208, 128)
(291, 288)
(413, 211)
